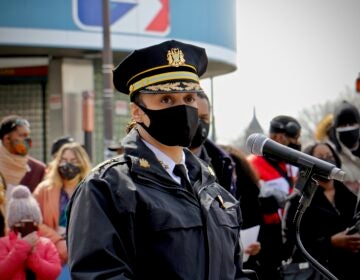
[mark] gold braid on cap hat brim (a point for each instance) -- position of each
(165, 77)
(176, 86)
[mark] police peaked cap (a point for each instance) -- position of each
(171, 66)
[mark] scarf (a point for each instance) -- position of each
(12, 167)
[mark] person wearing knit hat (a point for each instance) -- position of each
(22, 207)
(345, 137)
(23, 253)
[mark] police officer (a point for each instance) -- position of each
(137, 216)
(209, 151)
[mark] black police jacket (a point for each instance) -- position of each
(221, 162)
(130, 220)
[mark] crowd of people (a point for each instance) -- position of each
(174, 204)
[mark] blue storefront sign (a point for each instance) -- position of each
(126, 16)
(134, 24)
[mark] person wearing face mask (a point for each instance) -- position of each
(344, 135)
(70, 165)
(156, 211)
(277, 179)
(325, 225)
(23, 253)
(210, 152)
(16, 165)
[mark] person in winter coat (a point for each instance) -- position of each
(344, 135)
(324, 228)
(156, 211)
(277, 180)
(70, 165)
(23, 253)
(209, 151)
(16, 165)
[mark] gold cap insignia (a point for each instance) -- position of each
(144, 163)
(175, 57)
(211, 171)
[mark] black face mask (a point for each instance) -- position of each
(349, 137)
(294, 146)
(174, 126)
(68, 171)
(201, 134)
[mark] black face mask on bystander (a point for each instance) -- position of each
(68, 170)
(201, 134)
(349, 136)
(294, 146)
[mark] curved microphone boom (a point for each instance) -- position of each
(259, 144)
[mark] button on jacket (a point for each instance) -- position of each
(130, 220)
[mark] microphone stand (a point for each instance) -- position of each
(308, 186)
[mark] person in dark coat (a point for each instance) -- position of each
(156, 211)
(247, 192)
(209, 151)
(324, 228)
(277, 179)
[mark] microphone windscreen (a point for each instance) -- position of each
(255, 143)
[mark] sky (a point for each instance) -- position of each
(291, 55)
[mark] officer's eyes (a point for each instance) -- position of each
(166, 100)
(189, 99)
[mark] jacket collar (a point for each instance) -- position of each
(144, 162)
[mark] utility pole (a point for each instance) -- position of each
(212, 110)
(107, 66)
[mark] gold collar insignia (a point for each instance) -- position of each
(144, 163)
(175, 57)
(163, 164)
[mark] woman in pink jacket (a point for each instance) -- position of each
(23, 253)
(70, 165)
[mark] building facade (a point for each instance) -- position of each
(51, 54)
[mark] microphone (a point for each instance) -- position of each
(260, 145)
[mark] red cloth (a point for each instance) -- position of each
(35, 175)
(269, 176)
(16, 256)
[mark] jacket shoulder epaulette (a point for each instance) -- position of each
(103, 166)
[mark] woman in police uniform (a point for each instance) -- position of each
(137, 216)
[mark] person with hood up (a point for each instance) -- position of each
(344, 135)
